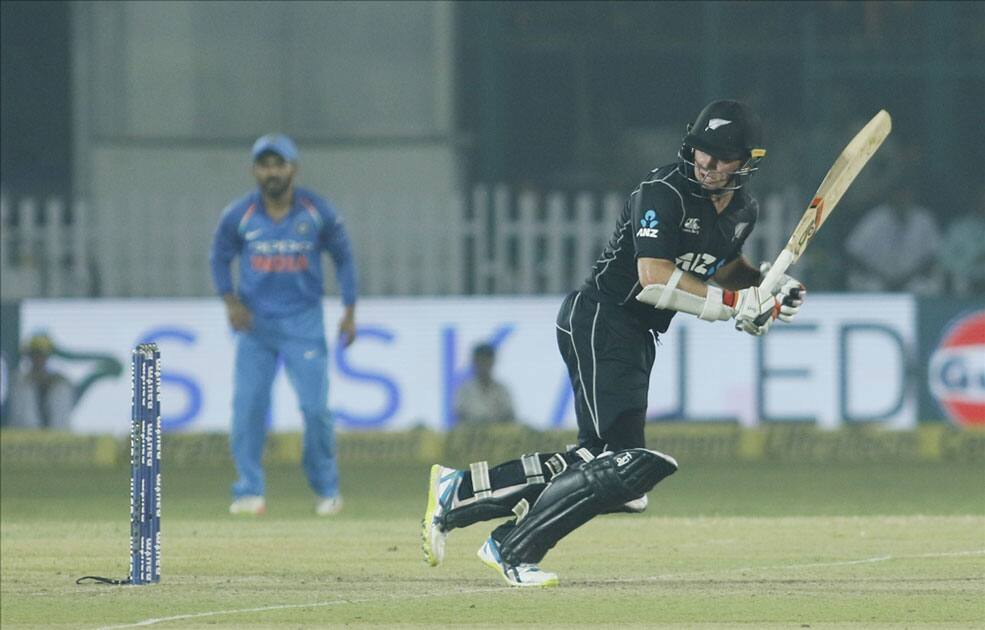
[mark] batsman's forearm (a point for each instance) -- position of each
(659, 271)
(740, 276)
(717, 305)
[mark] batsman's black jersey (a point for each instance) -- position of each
(663, 219)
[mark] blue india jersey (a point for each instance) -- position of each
(280, 271)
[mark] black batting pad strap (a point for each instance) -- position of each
(559, 462)
(585, 454)
(480, 479)
(521, 509)
(556, 465)
(532, 468)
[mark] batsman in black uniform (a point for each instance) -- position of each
(682, 229)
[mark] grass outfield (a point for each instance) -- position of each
(750, 545)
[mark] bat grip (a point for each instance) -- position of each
(771, 282)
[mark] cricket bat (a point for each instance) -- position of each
(848, 165)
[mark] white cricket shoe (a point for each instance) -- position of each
(441, 495)
(252, 504)
(327, 506)
(519, 575)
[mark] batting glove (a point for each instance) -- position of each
(752, 305)
(792, 295)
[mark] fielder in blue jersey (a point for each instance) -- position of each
(278, 232)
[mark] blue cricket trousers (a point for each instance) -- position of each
(300, 341)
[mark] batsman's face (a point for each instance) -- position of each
(712, 172)
(273, 174)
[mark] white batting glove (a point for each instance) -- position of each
(792, 295)
(755, 310)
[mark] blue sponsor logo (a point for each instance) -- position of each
(650, 219)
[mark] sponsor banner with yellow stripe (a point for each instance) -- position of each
(687, 443)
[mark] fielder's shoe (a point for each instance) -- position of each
(254, 505)
(441, 493)
(519, 575)
(327, 506)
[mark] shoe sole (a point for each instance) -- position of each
(429, 556)
(259, 512)
(492, 564)
(332, 512)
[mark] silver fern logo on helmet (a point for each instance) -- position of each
(715, 123)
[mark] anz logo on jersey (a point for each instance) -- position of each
(704, 265)
(649, 223)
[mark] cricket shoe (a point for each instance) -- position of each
(253, 504)
(441, 495)
(327, 506)
(519, 575)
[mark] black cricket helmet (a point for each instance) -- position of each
(727, 130)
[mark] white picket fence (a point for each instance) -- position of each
(493, 241)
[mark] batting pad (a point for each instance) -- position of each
(579, 494)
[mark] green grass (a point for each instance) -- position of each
(748, 545)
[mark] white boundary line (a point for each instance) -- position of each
(337, 602)
(215, 613)
(838, 563)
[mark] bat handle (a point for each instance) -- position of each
(771, 282)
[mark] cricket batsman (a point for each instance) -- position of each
(677, 247)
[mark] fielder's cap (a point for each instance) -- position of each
(276, 143)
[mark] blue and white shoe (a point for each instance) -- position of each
(441, 496)
(519, 575)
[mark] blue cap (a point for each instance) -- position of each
(276, 143)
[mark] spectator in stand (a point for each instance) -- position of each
(964, 249)
(41, 398)
(482, 399)
(894, 247)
